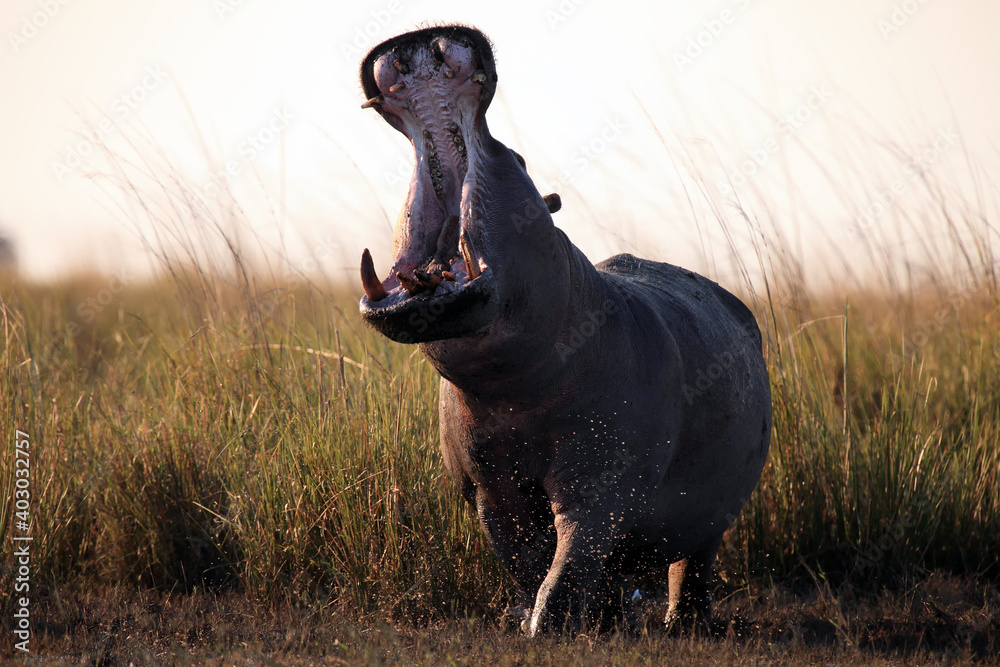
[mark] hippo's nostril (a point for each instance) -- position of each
(437, 51)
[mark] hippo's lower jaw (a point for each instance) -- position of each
(434, 86)
(451, 310)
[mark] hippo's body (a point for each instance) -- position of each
(606, 420)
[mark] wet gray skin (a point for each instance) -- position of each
(606, 421)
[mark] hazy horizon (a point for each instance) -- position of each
(623, 112)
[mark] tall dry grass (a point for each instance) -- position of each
(224, 425)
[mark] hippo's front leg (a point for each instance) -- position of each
(521, 536)
(585, 538)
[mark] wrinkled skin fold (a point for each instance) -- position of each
(606, 421)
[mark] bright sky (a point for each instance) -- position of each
(615, 105)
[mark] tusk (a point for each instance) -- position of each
(469, 255)
(479, 77)
(378, 99)
(369, 279)
(447, 275)
(401, 67)
(398, 86)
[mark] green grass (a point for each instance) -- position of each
(201, 433)
(192, 445)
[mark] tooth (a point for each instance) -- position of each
(369, 279)
(428, 280)
(479, 77)
(378, 99)
(398, 86)
(447, 275)
(409, 283)
(469, 255)
(450, 74)
(402, 67)
(553, 202)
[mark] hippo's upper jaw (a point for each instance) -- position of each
(434, 86)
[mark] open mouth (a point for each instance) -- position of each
(446, 271)
(433, 86)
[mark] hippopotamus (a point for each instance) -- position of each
(607, 421)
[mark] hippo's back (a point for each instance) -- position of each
(724, 395)
(691, 304)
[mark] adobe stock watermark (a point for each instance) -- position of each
(402, 174)
(920, 335)
(496, 422)
(370, 33)
(87, 311)
(223, 8)
(872, 552)
(35, 22)
(790, 122)
(712, 30)
(75, 155)
(586, 154)
(704, 378)
(883, 198)
(321, 252)
(253, 145)
(597, 484)
(22, 540)
(580, 333)
(562, 12)
(899, 16)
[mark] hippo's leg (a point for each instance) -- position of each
(523, 538)
(690, 583)
(572, 587)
